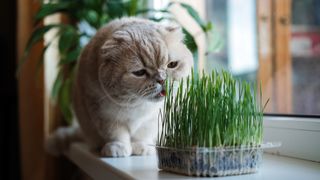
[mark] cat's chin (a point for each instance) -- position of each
(156, 98)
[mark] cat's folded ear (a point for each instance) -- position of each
(118, 37)
(106, 48)
(121, 36)
(173, 33)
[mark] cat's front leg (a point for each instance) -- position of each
(143, 140)
(118, 144)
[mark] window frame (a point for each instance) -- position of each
(299, 136)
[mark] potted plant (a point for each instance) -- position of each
(211, 126)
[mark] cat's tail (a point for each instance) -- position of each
(59, 141)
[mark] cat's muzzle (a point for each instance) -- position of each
(161, 93)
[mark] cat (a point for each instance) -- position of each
(119, 86)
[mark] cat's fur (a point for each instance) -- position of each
(116, 109)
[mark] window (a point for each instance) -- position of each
(275, 42)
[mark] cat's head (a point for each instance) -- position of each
(138, 57)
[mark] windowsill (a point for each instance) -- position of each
(299, 136)
(145, 167)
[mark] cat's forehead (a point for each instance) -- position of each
(149, 60)
(148, 50)
(146, 43)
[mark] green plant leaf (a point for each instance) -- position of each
(156, 19)
(48, 9)
(36, 36)
(41, 57)
(92, 17)
(57, 86)
(68, 38)
(189, 41)
(65, 100)
(195, 15)
(133, 7)
(148, 10)
(104, 18)
(215, 42)
(71, 56)
(116, 8)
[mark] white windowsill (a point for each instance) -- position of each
(145, 167)
(299, 136)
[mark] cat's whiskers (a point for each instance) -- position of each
(146, 90)
(149, 91)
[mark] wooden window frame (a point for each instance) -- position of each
(275, 64)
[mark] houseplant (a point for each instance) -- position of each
(211, 126)
(92, 14)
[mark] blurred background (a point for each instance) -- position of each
(272, 42)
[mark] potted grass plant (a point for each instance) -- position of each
(211, 126)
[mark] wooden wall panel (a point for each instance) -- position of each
(35, 163)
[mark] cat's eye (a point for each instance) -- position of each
(173, 64)
(140, 72)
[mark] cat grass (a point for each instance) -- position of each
(214, 110)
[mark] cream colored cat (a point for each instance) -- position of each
(119, 85)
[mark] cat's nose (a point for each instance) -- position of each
(160, 77)
(161, 81)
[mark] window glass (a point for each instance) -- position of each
(305, 52)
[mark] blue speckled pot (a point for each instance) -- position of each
(210, 161)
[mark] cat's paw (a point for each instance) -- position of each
(140, 148)
(116, 149)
